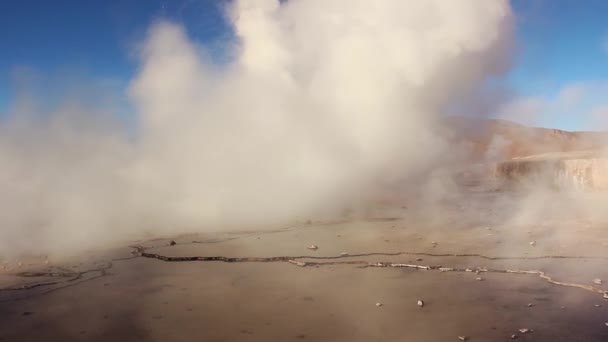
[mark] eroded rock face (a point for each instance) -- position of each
(582, 170)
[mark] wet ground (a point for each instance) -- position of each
(277, 289)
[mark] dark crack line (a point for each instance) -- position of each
(76, 280)
(140, 251)
(75, 276)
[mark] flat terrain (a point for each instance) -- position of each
(128, 293)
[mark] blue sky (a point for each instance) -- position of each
(560, 69)
(562, 51)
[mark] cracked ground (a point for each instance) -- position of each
(476, 272)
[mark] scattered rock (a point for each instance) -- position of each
(378, 304)
(172, 243)
(530, 305)
(313, 247)
(597, 281)
(462, 338)
(597, 305)
(525, 330)
(298, 263)
(420, 303)
(479, 278)
(343, 254)
(514, 337)
(532, 243)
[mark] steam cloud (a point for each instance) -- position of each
(324, 105)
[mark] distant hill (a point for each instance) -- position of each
(494, 140)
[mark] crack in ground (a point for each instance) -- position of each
(75, 278)
(141, 251)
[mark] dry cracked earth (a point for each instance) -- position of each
(478, 276)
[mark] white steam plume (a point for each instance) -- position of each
(324, 103)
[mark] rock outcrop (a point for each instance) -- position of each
(581, 170)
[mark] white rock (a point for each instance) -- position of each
(378, 304)
(298, 263)
(462, 338)
(313, 247)
(420, 303)
(597, 281)
(524, 330)
(532, 243)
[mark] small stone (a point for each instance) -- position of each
(562, 307)
(532, 243)
(530, 305)
(378, 304)
(172, 243)
(597, 305)
(479, 278)
(524, 330)
(462, 338)
(298, 263)
(605, 295)
(418, 259)
(313, 247)
(606, 324)
(597, 281)
(343, 254)
(420, 303)
(514, 337)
